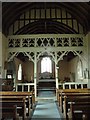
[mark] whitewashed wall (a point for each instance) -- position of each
(3, 55)
(0, 55)
(88, 38)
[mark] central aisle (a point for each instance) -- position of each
(46, 107)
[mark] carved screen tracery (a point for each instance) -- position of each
(53, 40)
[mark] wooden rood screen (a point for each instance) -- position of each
(19, 102)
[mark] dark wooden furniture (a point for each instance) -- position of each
(66, 96)
(9, 101)
(13, 98)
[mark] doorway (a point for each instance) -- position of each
(46, 78)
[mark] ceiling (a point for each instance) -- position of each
(12, 10)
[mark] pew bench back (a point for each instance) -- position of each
(82, 109)
(85, 100)
(16, 98)
(9, 101)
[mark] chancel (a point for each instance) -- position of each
(44, 60)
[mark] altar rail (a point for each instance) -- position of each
(72, 85)
(24, 87)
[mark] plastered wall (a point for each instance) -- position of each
(3, 55)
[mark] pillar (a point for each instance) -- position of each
(56, 70)
(56, 74)
(35, 75)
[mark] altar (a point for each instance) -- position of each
(45, 75)
(46, 84)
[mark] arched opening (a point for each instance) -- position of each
(46, 65)
(20, 72)
(46, 82)
(67, 67)
(79, 70)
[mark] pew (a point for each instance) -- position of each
(83, 108)
(9, 111)
(62, 97)
(74, 99)
(61, 92)
(9, 101)
(69, 92)
(29, 98)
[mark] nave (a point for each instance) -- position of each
(70, 104)
(37, 36)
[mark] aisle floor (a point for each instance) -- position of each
(46, 107)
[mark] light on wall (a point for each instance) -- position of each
(57, 67)
(86, 73)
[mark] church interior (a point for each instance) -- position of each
(44, 60)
